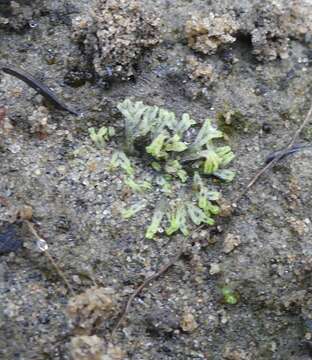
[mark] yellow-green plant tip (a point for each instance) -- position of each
(175, 168)
(177, 221)
(205, 135)
(174, 144)
(207, 206)
(138, 187)
(225, 175)
(166, 119)
(229, 296)
(156, 166)
(99, 137)
(119, 159)
(166, 185)
(184, 124)
(133, 210)
(226, 154)
(156, 147)
(212, 162)
(172, 229)
(156, 220)
(197, 215)
(182, 174)
(111, 131)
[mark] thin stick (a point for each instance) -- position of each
(276, 159)
(304, 123)
(256, 177)
(143, 285)
(49, 257)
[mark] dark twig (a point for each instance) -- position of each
(38, 86)
(276, 159)
(286, 152)
(144, 284)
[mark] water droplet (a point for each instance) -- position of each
(42, 245)
(33, 24)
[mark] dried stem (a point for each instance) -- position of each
(49, 257)
(276, 159)
(143, 285)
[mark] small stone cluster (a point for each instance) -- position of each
(272, 26)
(207, 34)
(269, 39)
(115, 36)
(90, 308)
(94, 348)
(86, 312)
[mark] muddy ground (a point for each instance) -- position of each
(262, 77)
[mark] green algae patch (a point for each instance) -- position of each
(182, 158)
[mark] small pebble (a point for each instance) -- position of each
(188, 322)
(9, 242)
(77, 280)
(308, 336)
(231, 241)
(25, 212)
(266, 127)
(214, 269)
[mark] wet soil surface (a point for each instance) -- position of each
(255, 71)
